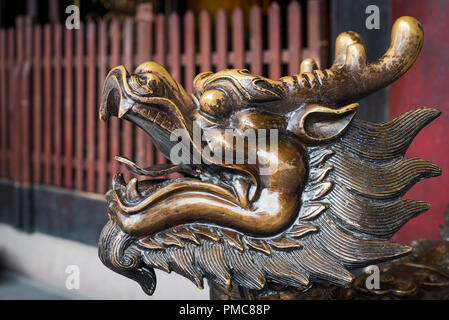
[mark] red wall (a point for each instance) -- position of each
(427, 84)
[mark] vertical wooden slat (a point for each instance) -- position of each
(80, 103)
(144, 19)
(189, 44)
(294, 37)
(175, 46)
(274, 41)
(160, 58)
(16, 110)
(25, 105)
(48, 90)
(37, 105)
(238, 42)
(315, 23)
(91, 106)
(160, 40)
(102, 141)
(256, 40)
(114, 125)
(127, 127)
(128, 42)
(68, 109)
(3, 105)
(205, 41)
(53, 10)
(57, 104)
(11, 99)
(24, 162)
(221, 36)
(49, 126)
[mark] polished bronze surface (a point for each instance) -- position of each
(422, 275)
(321, 198)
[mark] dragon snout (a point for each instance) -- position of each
(116, 98)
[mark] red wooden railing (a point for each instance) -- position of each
(51, 80)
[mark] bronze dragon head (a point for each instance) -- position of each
(330, 205)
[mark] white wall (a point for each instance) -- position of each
(45, 258)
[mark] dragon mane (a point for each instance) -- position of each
(351, 205)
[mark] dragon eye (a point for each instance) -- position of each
(214, 103)
(149, 81)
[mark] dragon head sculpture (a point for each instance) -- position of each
(329, 203)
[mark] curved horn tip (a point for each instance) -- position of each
(406, 28)
(409, 23)
(308, 65)
(343, 41)
(355, 56)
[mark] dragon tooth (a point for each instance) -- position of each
(118, 181)
(132, 191)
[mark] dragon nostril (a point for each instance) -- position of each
(145, 83)
(142, 79)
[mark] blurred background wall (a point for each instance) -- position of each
(57, 158)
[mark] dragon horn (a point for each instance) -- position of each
(350, 78)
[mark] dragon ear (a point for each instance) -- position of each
(317, 123)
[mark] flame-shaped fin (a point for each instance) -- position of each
(169, 239)
(380, 219)
(354, 251)
(318, 190)
(387, 140)
(320, 265)
(284, 269)
(319, 156)
(318, 175)
(299, 231)
(212, 262)
(312, 210)
(244, 270)
(233, 239)
(284, 243)
(381, 181)
(157, 259)
(186, 235)
(206, 232)
(182, 261)
(258, 245)
(150, 243)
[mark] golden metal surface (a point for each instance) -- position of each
(423, 275)
(331, 204)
